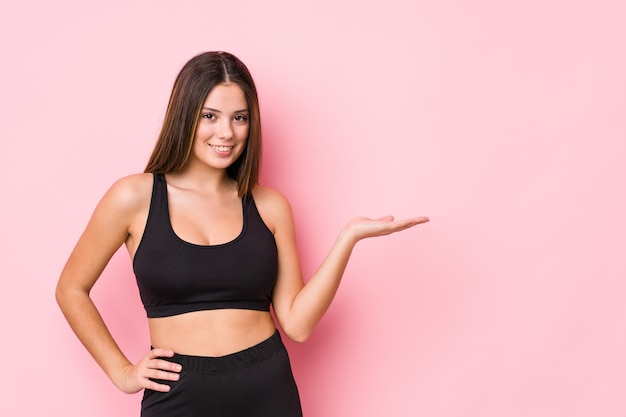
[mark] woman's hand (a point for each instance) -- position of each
(364, 227)
(139, 376)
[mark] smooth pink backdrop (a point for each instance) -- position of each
(501, 120)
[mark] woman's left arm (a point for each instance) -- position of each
(299, 307)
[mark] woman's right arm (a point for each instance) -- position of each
(111, 225)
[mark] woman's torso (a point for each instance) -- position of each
(204, 222)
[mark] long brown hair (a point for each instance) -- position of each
(194, 82)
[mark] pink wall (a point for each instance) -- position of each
(501, 120)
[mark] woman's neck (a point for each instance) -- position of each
(203, 179)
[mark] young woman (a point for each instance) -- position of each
(211, 251)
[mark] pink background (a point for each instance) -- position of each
(504, 121)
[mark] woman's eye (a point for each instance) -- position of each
(240, 118)
(208, 116)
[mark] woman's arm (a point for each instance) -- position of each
(109, 227)
(299, 307)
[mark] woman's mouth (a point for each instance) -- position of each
(221, 148)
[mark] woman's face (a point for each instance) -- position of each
(222, 129)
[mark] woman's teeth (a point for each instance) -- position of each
(222, 148)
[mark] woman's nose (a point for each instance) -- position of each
(225, 130)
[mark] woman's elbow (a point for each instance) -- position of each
(298, 334)
(61, 296)
(66, 295)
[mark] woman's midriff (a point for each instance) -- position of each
(211, 332)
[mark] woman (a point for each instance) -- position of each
(211, 251)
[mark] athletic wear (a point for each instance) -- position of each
(175, 276)
(256, 382)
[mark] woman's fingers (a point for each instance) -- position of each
(155, 386)
(166, 371)
(152, 368)
(159, 353)
(405, 224)
(166, 365)
(365, 227)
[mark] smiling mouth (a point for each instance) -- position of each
(220, 148)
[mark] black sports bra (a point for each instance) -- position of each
(175, 276)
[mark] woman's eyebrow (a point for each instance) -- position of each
(219, 111)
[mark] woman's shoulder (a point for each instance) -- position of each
(269, 197)
(131, 192)
(273, 206)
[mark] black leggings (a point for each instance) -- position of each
(256, 382)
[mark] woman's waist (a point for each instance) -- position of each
(211, 333)
(236, 360)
